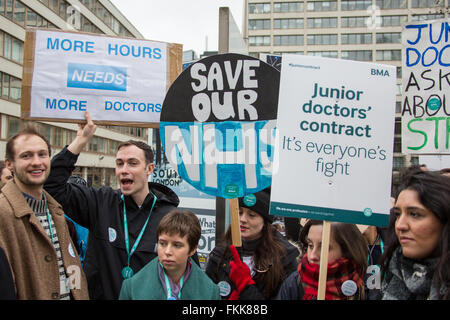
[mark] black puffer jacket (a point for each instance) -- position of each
(218, 269)
(101, 211)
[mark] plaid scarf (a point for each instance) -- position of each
(338, 272)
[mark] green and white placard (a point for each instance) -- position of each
(333, 160)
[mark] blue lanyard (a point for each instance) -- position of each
(168, 289)
(125, 225)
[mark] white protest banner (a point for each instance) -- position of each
(333, 160)
(116, 79)
(426, 84)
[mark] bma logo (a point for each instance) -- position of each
(379, 72)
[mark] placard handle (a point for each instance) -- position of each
(324, 260)
(234, 222)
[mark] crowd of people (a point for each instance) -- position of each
(140, 246)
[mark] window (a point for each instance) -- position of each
(424, 17)
(392, 4)
(53, 5)
(48, 133)
(288, 24)
(2, 43)
(5, 85)
(13, 126)
(259, 41)
(394, 37)
(31, 18)
(361, 55)
(348, 5)
(426, 3)
(398, 106)
(391, 21)
(19, 13)
(399, 162)
(8, 46)
(322, 22)
(259, 24)
(288, 7)
(326, 54)
(258, 7)
(9, 10)
(322, 5)
(58, 137)
(17, 50)
(356, 38)
(318, 39)
(16, 88)
(93, 144)
(288, 40)
(353, 22)
(398, 126)
(388, 55)
(397, 144)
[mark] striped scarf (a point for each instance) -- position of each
(39, 208)
(338, 272)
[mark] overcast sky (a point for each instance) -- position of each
(188, 22)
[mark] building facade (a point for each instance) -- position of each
(96, 164)
(363, 30)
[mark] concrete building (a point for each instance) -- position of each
(364, 30)
(96, 164)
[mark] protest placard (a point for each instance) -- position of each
(333, 160)
(218, 126)
(118, 80)
(426, 87)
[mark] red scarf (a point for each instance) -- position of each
(338, 272)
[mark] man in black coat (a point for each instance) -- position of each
(122, 223)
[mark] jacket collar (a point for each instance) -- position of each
(20, 206)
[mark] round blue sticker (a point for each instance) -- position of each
(367, 212)
(249, 200)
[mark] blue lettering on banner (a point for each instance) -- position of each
(226, 159)
(91, 76)
(70, 45)
(132, 106)
(63, 104)
(126, 50)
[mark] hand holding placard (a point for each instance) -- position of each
(84, 134)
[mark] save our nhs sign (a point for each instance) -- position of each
(115, 79)
(218, 124)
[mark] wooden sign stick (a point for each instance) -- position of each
(234, 222)
(324, 260)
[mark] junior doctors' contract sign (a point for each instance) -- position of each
(333, 160)
(115, 79)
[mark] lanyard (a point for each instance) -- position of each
(168, 289)
(49, 223)
(373, 246)
(125, 225)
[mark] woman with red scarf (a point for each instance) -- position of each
(347, 263)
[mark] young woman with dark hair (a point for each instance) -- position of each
(347, 263)
(256, 270)
(416, 264)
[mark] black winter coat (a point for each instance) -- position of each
(7, 291)
(218, 270)
(101, 211)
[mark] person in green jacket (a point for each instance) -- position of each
(172, 276)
